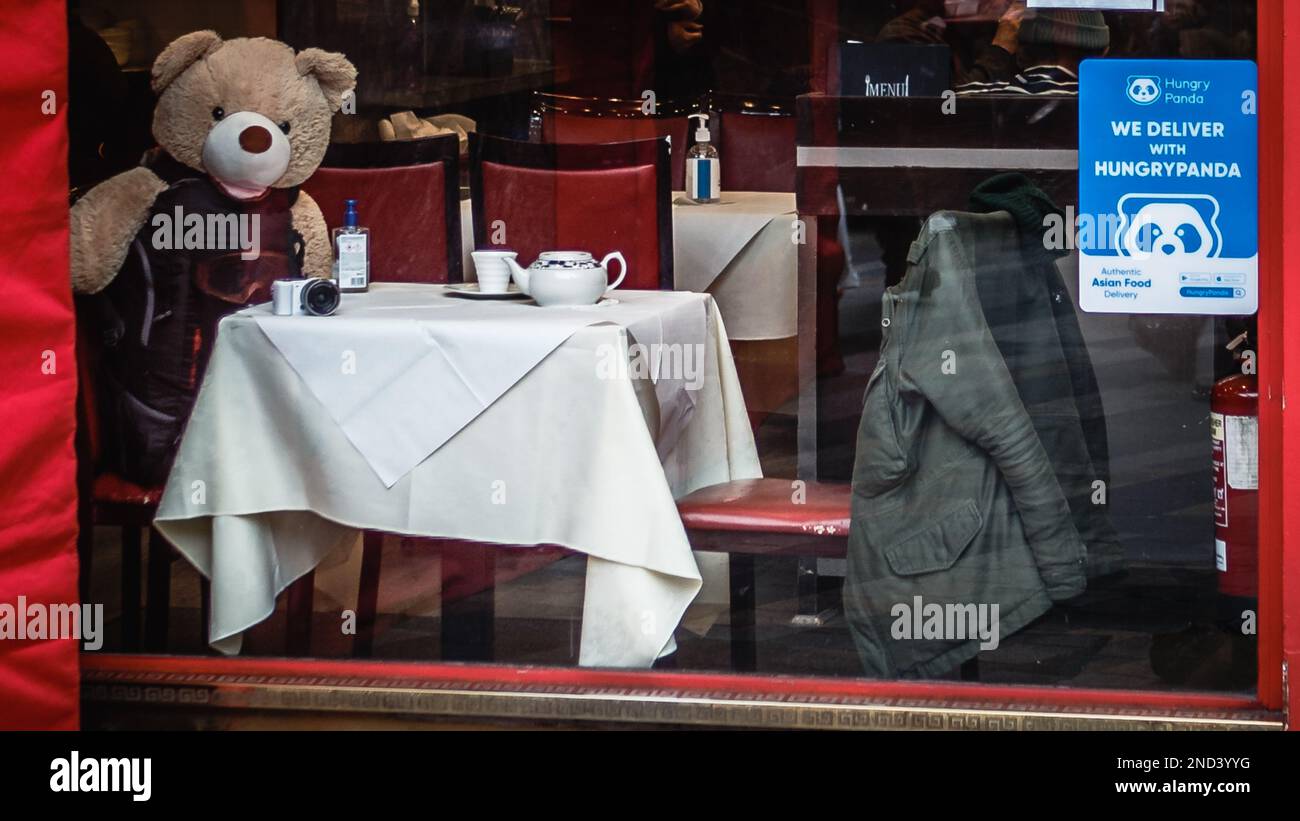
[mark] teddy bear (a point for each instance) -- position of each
(248, 113)
(212, 216)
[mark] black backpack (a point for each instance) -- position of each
(157, 320)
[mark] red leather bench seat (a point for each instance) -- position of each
(769, 516)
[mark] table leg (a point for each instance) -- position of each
(372, 550)
(298, 606)
(130, 588)
(205, 610)
(807, 353)
(468, 629)
(806, 577)
(744, 601)
(158, 601)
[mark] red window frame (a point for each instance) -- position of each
(1279, 601)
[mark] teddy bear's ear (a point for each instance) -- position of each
(332, 71)
(180, 54)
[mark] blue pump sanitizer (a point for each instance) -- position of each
(703, 166)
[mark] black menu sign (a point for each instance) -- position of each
(894, 70)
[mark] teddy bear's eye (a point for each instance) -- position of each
(284, 126)
(218, 113)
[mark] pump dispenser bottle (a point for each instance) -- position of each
(703, 166)
(352, 252)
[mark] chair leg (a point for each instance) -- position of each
(158, 598)
(299, 610)
(131, 589)
(85, 555)
(372, 551)
(744, 651)
(468, 629)
(807, 582)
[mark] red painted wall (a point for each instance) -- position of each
(38, 383)
(1280, 357)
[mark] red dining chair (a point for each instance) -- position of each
(408, 194)
(106, 499)
(756, 138)
(560, 118)
(757, 141)
(534, 197)
(748, 518)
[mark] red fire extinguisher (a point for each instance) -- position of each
(1234, 429)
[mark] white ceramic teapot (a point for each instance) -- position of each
(567, 277)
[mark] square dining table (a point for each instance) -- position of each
(419, 412)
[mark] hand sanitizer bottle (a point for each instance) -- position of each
(703, 166)
(352, 252)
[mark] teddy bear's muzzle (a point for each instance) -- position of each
(246, 153)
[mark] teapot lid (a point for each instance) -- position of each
(565, 256)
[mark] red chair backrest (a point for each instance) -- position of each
(758, 151)
(531, 197)
(569, 127)
(407, 194)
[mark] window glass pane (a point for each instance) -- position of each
(843, 414)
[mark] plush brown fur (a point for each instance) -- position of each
(318, 258)
(195, 74)
(104, 222)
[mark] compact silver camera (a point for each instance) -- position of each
(313, 296)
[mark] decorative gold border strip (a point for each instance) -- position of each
(302, 694)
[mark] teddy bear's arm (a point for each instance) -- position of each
(318, 259)
(104, 222)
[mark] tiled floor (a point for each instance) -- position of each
(1103, 639)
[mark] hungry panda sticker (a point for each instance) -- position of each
(1168, 187)
(1169, 225)
(1144, 90)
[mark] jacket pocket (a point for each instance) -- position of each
(938, 546)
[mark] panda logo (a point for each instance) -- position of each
(1144, 90)
(1168, 226)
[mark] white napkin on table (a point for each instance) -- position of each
(403, 368)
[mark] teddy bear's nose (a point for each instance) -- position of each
(255, 139)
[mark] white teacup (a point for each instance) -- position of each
(492, 271)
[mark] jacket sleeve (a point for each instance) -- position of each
(949, 356)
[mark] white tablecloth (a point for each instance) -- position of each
(267, 484)
(741, 250)
(403, 368)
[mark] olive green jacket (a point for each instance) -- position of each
(955, 499)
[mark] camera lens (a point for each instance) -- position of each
(320, 297)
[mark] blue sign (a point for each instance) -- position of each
(1168, 217)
